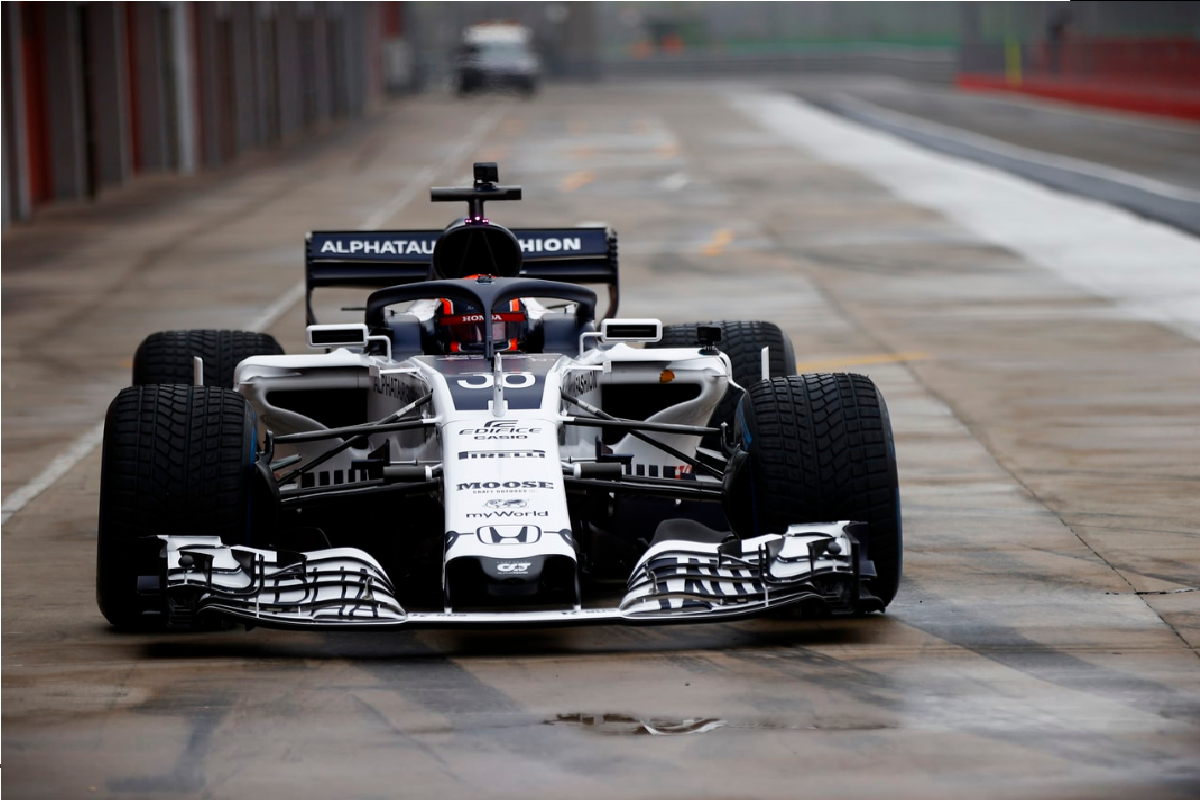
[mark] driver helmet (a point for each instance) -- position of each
(461, 327)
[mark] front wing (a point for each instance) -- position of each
(674, 581)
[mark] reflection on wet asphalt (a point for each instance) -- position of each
(625, 725)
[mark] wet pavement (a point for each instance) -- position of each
(1043, 643)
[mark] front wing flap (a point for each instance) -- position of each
(679, 578)
(674, 581)
(338, 587)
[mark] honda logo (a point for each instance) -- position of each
(509, 534)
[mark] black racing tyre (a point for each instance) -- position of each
(742, 341)
(176, 460)
(821, 449)
(166, 357)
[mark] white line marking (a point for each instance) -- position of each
(271, 314)
(398, 201)
(60, 466)
(85, 444)
(1065, 163)
(1146, 269)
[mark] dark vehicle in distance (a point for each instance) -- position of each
(497, 56)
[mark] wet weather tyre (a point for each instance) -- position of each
(177, 460)
(821, 449)
(742, 341)
(166, 357)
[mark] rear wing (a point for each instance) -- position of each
(375, 259)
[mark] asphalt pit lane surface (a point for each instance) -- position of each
(68, 699)
(625, 725)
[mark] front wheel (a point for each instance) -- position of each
(821, 449)
(177, 460)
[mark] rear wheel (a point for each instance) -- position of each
(821, 449)
(742, 341)
(177, 460)
(167, 357)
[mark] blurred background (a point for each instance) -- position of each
(96, 94)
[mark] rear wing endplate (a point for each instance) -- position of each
(375, 259)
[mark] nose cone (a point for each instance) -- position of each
(488, 581)
(512, 577)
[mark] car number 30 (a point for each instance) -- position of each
(509, 380)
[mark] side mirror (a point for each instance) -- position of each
(630, 330)
(350, 336)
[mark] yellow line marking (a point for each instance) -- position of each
(577, 179)
(668, 150)
(718, 242)
(640, 126)
(513, 127)
(583, 152)
(858, 361)
(577, 128)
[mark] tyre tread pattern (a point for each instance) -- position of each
(166, 357)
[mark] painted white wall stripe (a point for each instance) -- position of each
(85, 444)
(1149, 271)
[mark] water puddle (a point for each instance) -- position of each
(624, 725)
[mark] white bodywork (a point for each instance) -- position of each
(390, 385)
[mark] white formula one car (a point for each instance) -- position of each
(480, 451)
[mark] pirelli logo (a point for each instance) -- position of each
(473, 455)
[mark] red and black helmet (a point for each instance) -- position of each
(462, 329)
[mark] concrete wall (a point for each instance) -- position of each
(121, 89)
(16, 200)
(107, 83)
(65, 70)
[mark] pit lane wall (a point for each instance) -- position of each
(1129, 56)
(96, 94)
(1153, 76)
